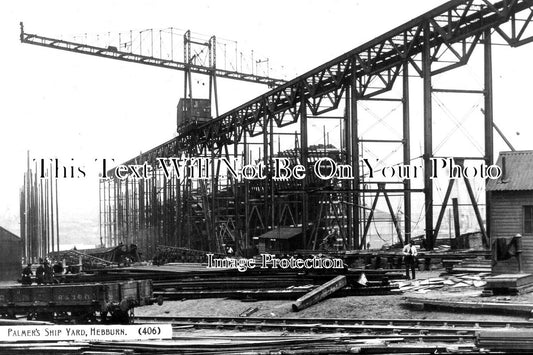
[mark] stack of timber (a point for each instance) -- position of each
(470, 306)
(508, 341)
(251, 343)
(509, 284)
(79, 259)
(186, 281)
(193, 280)
(168, 254)
(97, 258)
(427, 260)
(270, 285)
(448, 282)
(420, 286)
(470, 265)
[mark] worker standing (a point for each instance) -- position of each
(409, 257)
(39, 273)
(48, 273)
(26, 275)
(58, 270)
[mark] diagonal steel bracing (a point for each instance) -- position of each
(376, 65)
(453, 30)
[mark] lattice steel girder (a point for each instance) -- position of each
(376, 61)
(114, 53)
(455, 23)
(515, 35)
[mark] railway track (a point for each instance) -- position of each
(339, 322)
(343, 335)
(238, 335)
(421, 330)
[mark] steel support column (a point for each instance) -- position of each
(213, 243)
(489, 118)
(126, 219)
(304, 161)
(428, 137)
(406, 152)
(347, 139)
(266, 165)
(247, 233)
(355, 163)
(178, 201)
(237, 200)
(269, 174)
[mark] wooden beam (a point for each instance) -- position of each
(319, 293)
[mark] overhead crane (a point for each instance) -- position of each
(193, 49)
(116, 52)
(188, 65)
(366, 73)
(370, 70)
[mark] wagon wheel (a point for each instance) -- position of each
(83, 317)
(63, 316)
(92, 317)
(120, 317)
(9, 314)
(103, 317)
(32, 316)
(45, 316)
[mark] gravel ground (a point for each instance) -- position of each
(370, 307)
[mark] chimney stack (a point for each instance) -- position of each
(505, 178)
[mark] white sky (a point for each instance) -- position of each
(65, 105)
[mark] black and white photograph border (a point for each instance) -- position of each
(257, 177)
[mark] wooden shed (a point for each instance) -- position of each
(511, 208)
(281, 240)
(10, 256)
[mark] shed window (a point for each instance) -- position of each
(528, 219)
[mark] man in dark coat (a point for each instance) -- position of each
(39, 274)
(48, 273)
(58, 268)
(26, 275)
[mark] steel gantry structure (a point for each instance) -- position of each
(199, 58)
(245, 209)
(117, 53)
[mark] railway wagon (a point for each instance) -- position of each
(110, 302)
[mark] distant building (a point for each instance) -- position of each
(10, 256)
(281, 240)
(511, 207)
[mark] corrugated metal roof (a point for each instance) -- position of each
(519, 172)
(282, 233)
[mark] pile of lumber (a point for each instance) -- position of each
(470, 265)
(169, 254)
(270, 285)
(470, 306)
(508, 284)
(427, 285)
(97, 258)
(509, 341)
(254, 343)
(427, 260)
